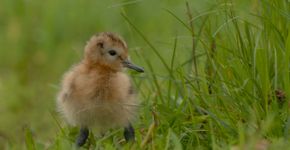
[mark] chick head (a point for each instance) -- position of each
(109, 51)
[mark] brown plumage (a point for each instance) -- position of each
(95, 92)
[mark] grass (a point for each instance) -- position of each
(217, 72)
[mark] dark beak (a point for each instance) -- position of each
(128, 64)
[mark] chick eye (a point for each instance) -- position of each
(112, 52)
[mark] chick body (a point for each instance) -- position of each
(97, 98)
(95, 92)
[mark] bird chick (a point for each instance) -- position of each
(95, 92)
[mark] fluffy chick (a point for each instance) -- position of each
(95, 92)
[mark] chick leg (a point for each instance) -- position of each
(129, 133)
(82, 137)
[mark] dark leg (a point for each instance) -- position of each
(129, 133)
(82, 137)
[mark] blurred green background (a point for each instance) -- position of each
(40, 40)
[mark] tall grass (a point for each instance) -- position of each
(217, 72)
